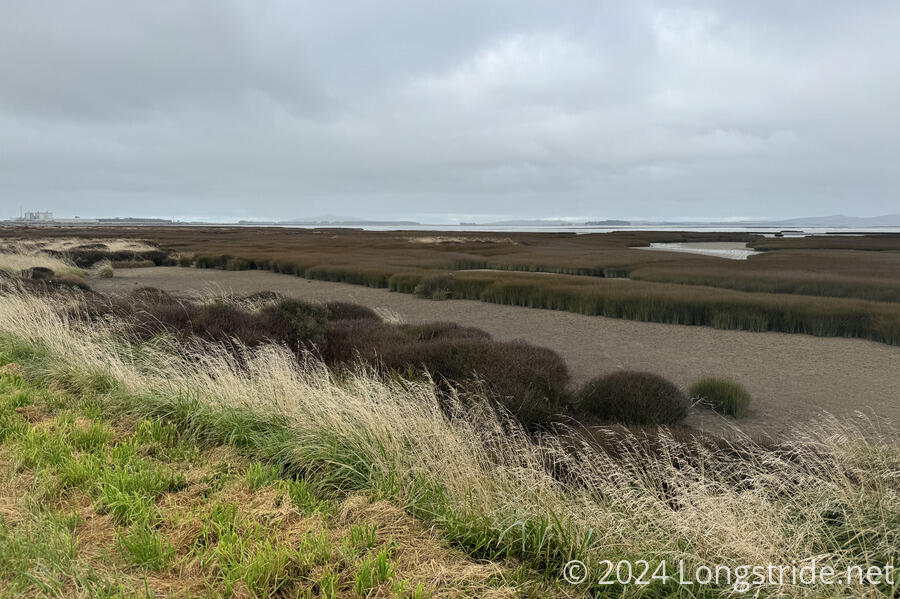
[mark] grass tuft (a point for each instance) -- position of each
(722, 395)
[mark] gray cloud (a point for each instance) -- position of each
(284, 109)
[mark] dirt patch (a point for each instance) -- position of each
(792, 378)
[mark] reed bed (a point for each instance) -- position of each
(830, 491)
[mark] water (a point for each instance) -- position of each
(732, 251)
(581, 229)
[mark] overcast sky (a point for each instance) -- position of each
(449, 110)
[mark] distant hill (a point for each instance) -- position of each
(608, 223)
(841, 220)
(349, 222)
(531, 223)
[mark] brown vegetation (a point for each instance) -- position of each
(820, 291)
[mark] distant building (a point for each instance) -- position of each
(37, 216)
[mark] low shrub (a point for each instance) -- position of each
(363, 339)
(152, 295)
(435, 331)
(148, 312)
(295, 321)
(633, 398)
(262, 297)
(38, 273)
(350, 311)
(133, 263)
(722, 395)
(528, 381)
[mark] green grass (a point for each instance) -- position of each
(831, 505)
(147, 548)
(722, 395)
(132, 474)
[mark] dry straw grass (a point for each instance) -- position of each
(830, 492)
(16, 262)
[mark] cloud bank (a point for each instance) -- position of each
(247, 109)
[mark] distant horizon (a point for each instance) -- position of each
(456, 220)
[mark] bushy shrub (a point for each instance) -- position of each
(262, 297)
(39, 273)
(350, 311)
(185, 261)
(152, 295)
(528, 381)
(148, 312)
(347, 341)
(295, 321)
(434, 331)
(633, 398)
(87, 255)
(133, 263)
(722, 395)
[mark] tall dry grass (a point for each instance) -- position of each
(17, 261)
(63, 244)
(831, 491)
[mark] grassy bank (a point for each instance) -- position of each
(99, 504)
(487, 487)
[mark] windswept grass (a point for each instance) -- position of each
(226, 529)
(829, 492)
(15, 263)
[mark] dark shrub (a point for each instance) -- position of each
(38, 273)
(367, 340)
(349, 311)
(133, 264)
(434, 331)
(262, 296)
(633, 398)
(529, 381)
(151, 295)
(87, 255)
(185, 261)
(222, 322)
(151, 319)
(296, 321)
(722, 395)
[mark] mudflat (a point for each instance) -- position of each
(794, 379)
